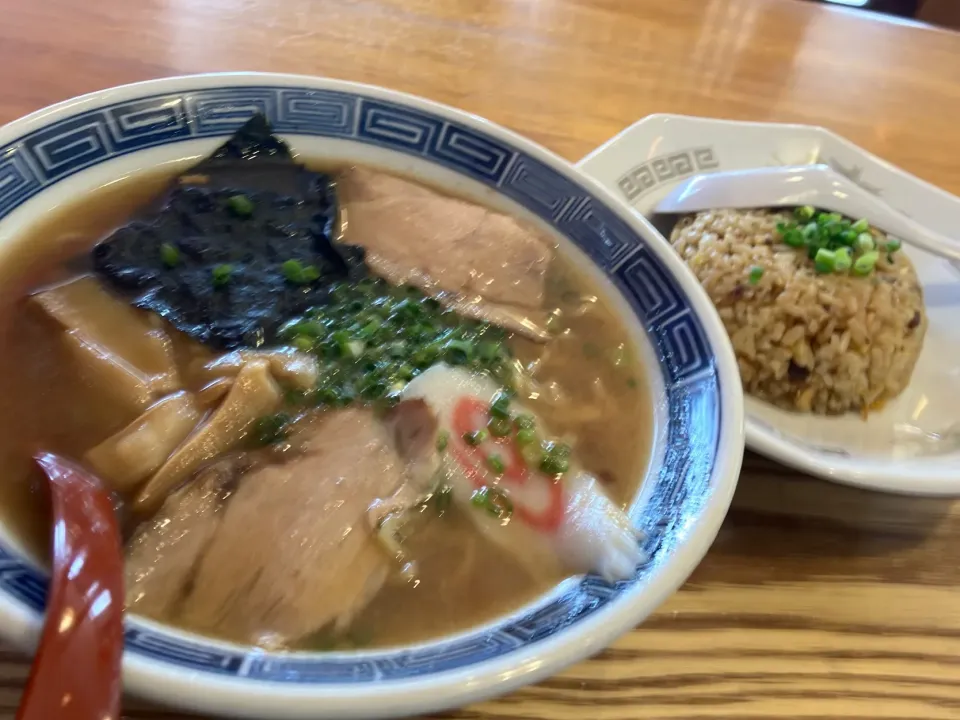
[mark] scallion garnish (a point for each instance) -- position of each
(556, 459)
(169, 255)
(834, 243)
(240, 205)
(221, 274)
(865, 264)
(842, 260)
(493, 501)
(499, 427)
(825, 260)
(299, 274)
(371, 339)
(270, 429)
(476, 437)
(525, 422)
(495, 463)
(500, 407)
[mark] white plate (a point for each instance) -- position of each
(913, 445)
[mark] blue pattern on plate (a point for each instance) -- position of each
(683, 484)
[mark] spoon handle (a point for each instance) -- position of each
(76, 671)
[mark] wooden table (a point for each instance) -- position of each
(817, 601)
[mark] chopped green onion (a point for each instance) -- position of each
(500, 407)
(553, 465)
(292, 270)
(299, 274)
(525, 422)
(499, 427)
(825, 261)
(371, 327)
(860, 226)
(556, 459)
(493, 501)
(240, 205)
(310, 328)
(169, 255)
(756, 272)
(804, 213)
(371, 339)
(793, 237)
(865, 242)
(458, 352)
(488, 350)
(843, 261)
(270, 429)
(527, 436)
(559, 449)
(443, 439)
(865, 264)
(495, 463)
(479, 498)
(221, 275)
(303, 343)
(476, 437)
(893, 244)
(342, 340)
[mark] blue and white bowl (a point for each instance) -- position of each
(60, 153)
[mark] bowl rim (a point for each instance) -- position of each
(241, 697)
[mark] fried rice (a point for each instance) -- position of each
(822, 343)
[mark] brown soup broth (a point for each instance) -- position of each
(590, 391)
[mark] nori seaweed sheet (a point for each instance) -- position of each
(294, 218)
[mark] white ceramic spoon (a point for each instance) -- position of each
(816, 185)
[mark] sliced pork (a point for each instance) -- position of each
(163, 554)
(289, 552)
(480, 262)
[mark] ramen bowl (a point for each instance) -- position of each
(81, 145)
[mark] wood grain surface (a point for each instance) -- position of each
(817, 601)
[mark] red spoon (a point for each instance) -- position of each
(76, 672)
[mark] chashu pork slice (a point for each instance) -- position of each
(163, 554)
(294, 552)
(480, 262)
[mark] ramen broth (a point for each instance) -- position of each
(590, 390)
